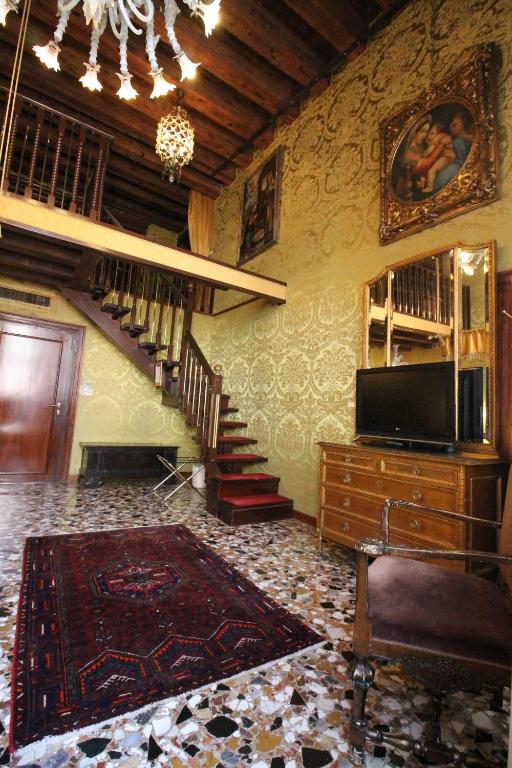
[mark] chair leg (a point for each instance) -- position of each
(362, 674)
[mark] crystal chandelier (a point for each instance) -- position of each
(124, 16)
(175, 142)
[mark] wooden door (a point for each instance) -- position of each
(504, 367)
(39, 372)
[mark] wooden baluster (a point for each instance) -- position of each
(149, 290)
(170, 349)
(97, 190)
(78, 163)
(67, 164)
(12, 140)
(56, 161)
(21, 161)
(35, 150)
(160, 295)
(209, 452)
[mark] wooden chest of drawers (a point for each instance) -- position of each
(355, 480)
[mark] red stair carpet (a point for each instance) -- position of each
(111, 621)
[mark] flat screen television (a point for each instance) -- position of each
(409, 403)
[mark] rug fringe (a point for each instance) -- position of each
(88, 729)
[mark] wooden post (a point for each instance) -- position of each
(35, 149)
(56, 161)
(12, 140)
(78, 163)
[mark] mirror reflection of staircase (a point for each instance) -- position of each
(147, 314)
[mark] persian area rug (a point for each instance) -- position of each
(111, 621)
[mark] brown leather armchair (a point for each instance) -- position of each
(451, 630)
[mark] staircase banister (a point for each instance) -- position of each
(189, 339)
(40, 105)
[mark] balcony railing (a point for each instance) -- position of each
(54, 158)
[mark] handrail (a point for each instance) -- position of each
(187, 337)
(40, 105)
(200, 390)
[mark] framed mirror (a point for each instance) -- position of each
(437, 307)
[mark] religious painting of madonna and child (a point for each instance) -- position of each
(439, 154)
(260, 209)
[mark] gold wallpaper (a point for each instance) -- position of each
(124, 405)
(291, 369)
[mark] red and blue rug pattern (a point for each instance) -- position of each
(111, 621)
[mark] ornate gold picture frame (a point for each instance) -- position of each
(439, 155)
(259, 227)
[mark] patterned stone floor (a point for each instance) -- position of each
(292, 714)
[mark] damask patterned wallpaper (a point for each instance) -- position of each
(291, 369)
(123, 404)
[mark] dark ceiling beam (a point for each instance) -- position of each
(335, 20)
(125, 210)
(124, 167)
(33, 265)
(269, 36)
(30, 277)
(36, 248)
(233, 63)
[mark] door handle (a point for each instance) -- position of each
(57, 406)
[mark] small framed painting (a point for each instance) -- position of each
(259, 228)
(439, 155)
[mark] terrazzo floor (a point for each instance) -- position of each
(292, 714)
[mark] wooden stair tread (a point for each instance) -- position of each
(228, 424)
(236, 440)
(263, 499)
(233, 458)
(228, 409)
(248, 476)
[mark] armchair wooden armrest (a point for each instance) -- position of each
(389, 503)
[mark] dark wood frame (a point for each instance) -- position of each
(473, 87)
(77, 334)
(276, 158)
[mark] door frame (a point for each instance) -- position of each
(75, 339)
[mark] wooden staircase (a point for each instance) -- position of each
(236, 497)
(148, 316)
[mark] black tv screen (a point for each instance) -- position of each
(407, 402)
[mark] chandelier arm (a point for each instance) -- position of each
(126, 17)
(149, 8)
(95, 39)
(171, 12)
(151, 44)
(123, 49)
(115, 22)
(61, 26)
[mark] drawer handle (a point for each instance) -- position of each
(414, 524)
(346, 502)
(416, 471)
(346, 477)
(345, 527)
(417, 495)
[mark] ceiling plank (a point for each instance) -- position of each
(333, 19)
(266, 34)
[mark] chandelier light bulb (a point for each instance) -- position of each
(161, 86)
(188, 67)
(126, 91)
(48, 54)
(90, 79)
(5, 7)
(210, 14)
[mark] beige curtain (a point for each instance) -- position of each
(200, 230)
